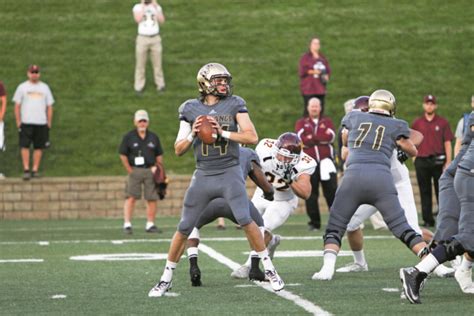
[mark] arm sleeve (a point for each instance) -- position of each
(2, 90)
(459, 128)
(403, 131)
(448, 134)
(18, 96)
(346, 122)
(302, 69)
(158, 148)
(241, 106)
(184, 130)
(328, 68)
(299, 129)
(123, 149)
(49, 96)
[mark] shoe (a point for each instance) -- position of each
(195, 274)
(161, 89)
(139, 93)
(220, 227)
(412, 280)
(128, 230)
(456, 262)
(257, 275)
(273, 245)
(464, 278)
(313, 228)
(26, 175)
(35, 175)
(324, 274)
(241, 273)
(275, 281)
(353, 267)
(153, 229)
(160, 289)
(443, 271)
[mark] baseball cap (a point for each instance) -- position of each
(429, 98)
(33, 68)
(141, 115)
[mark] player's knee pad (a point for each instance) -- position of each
(410, 238)
(332, 237)
(453, 249)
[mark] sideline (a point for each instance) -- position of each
(301, 302)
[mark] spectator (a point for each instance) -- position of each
(140, 152)
(149, 15)
(314, 72)
(461, 127)
(34, 116)
(3, 108)
(317, 133)
(434, 154)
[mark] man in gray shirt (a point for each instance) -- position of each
(34, 114)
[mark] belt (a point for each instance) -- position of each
(149, 35)
(143, 167)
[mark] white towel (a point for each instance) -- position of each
(326, 167)
(2, 137)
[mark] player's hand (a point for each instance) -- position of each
(269, 195)
(196, 125)
(288, 176)
(401, 155)
(215, 124)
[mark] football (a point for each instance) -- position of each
(207, 133)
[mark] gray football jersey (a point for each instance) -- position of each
(467, 161)
(466, 140)
(372, 137)
(247, 155)
(224, 153)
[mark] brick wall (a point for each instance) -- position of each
(93, 197)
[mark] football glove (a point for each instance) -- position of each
(401, 155)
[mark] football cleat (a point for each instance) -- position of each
(241, 273)
(273, 245)
(160, 289)
(325, 274)
(257, 275)
(195, 274)
(443, 271)
(275, 281)
(353, 267)
(412, 280)
(464, 279)
(128, 230)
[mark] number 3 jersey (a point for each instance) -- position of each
(224, 153)
(373, 137)
(265, 151)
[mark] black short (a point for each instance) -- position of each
(36, 134)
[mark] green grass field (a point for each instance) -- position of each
(121, 287)
(86, 49)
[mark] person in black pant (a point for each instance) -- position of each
(434, 154)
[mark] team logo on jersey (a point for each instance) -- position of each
(135, 144)
(151, 145)
(212, 112)
(437, 128)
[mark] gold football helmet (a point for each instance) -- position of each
(382, 101)
(206, 82)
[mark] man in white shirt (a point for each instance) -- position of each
(34, 114)
(149, 15)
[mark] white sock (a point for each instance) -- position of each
(192, 252)
(149, 224)
(428, 264)
(466, 265)
(127, 224)
(359, 257)
(266, 261)
(168, 272)
(330, 257)
(248, 263)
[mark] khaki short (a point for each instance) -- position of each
(135, 180)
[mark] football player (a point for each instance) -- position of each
(371, 138)
(401, 178)
(218, 173)
(461, 243)
(250, 164)
(289, 170)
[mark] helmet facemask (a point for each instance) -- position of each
(287, 152)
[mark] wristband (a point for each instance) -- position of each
(225, 134)
(190, 137)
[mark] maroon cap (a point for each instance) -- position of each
(429, 98)
(33, 68)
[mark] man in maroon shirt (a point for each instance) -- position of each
(434, 154)
(317, 133)
(314, 74)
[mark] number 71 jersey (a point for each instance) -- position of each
(373, 137)
(265, 151)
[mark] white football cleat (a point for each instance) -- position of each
(160, 289)
(325, 274)
(241, 273)
(464, 278)
(443, 271)
(353, 267)
(273, 245)
(275, 281)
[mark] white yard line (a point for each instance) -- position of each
(21, 260)
(301, 302)
(129, 241)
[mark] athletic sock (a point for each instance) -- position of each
(168, 272)
(330, 257)
(428, 264)
(466, 265)
(266, 261)
(359, 257)
(192, 253)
